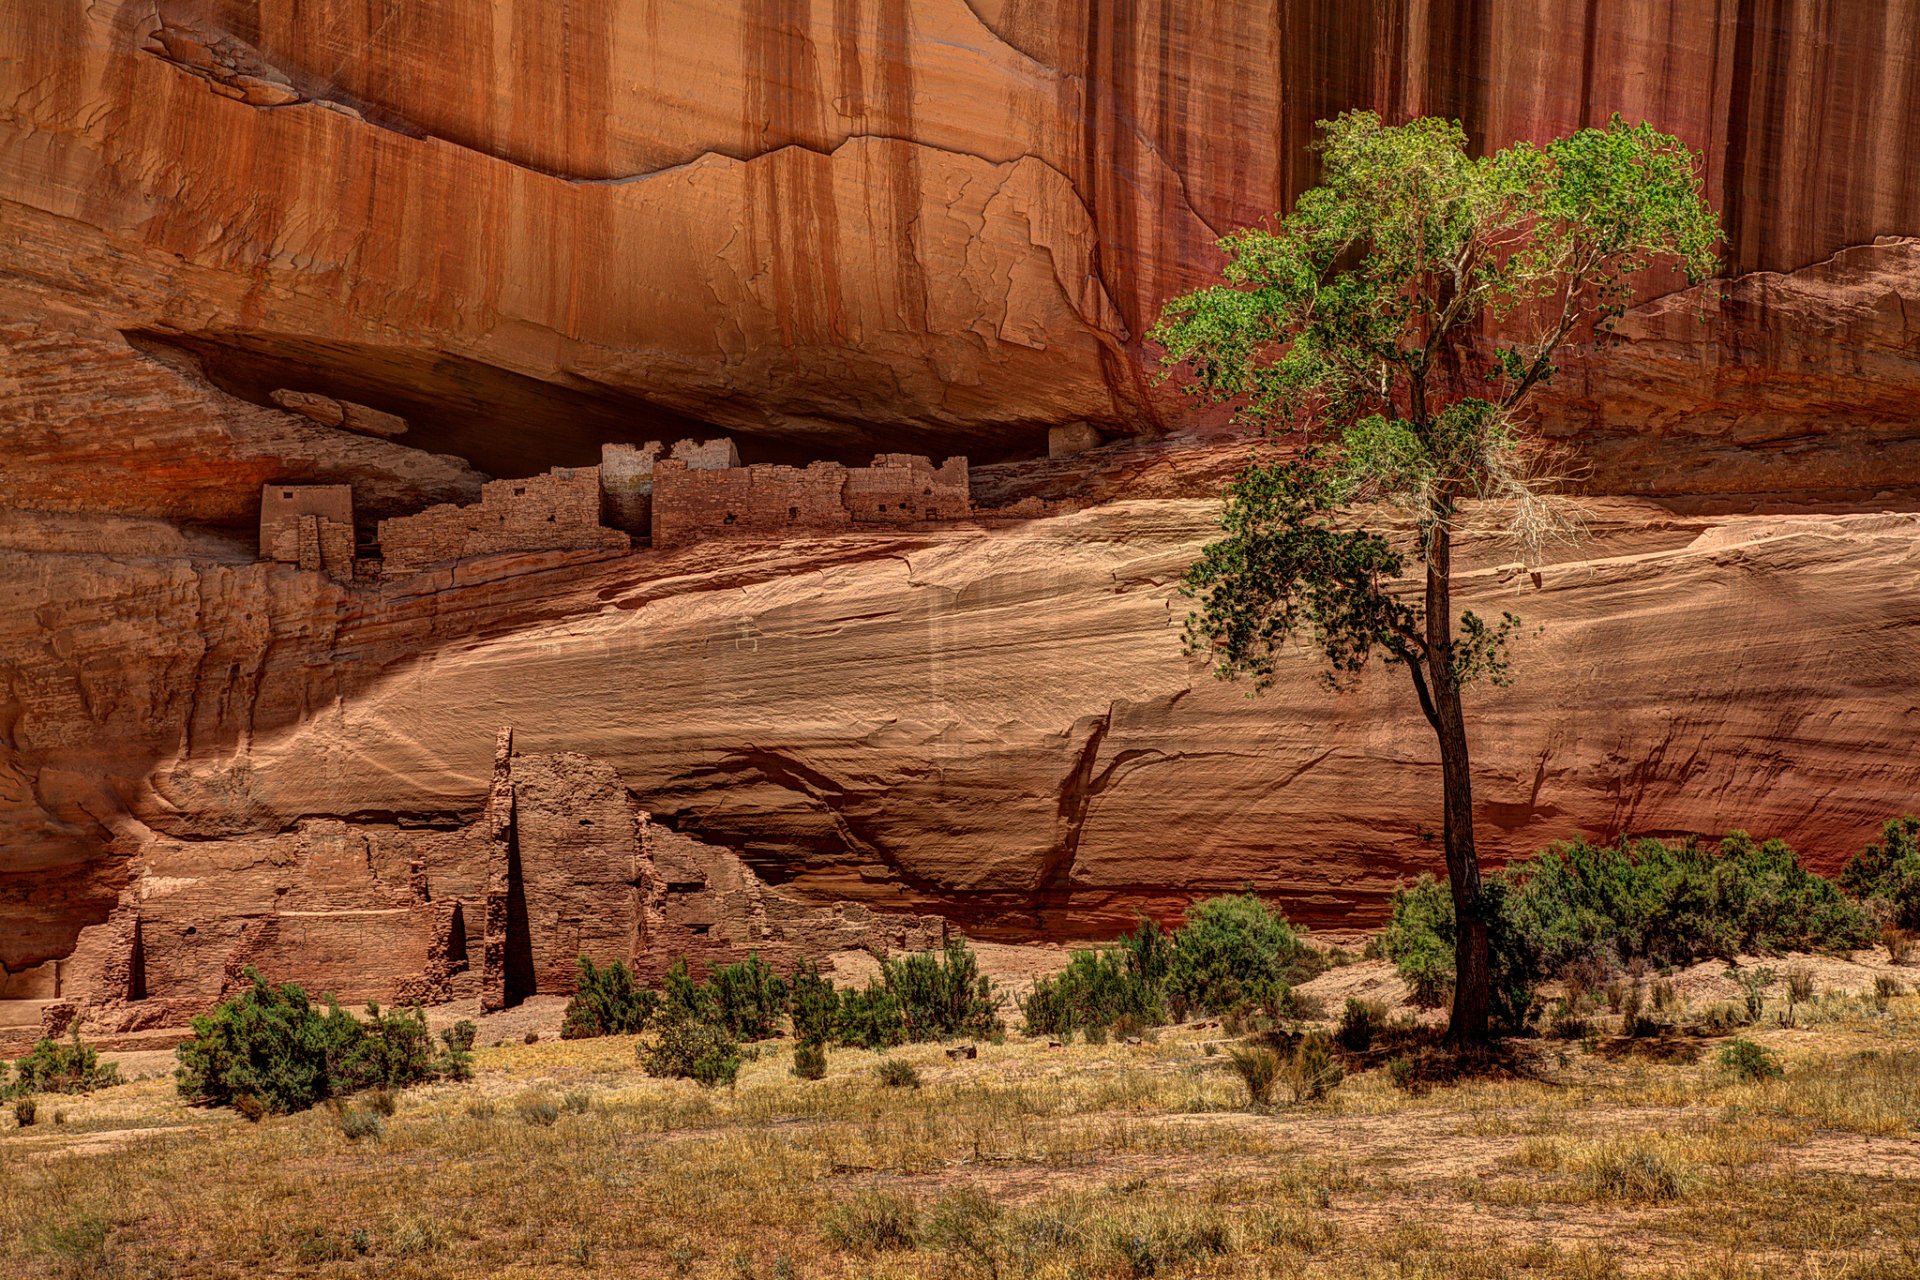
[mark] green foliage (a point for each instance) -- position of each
(25, 1112)
(813, 1004)
(607, 1002)
(682, 997)
(272, 1046)
(747, 998)
(52, 1067)
(358, 1122)
(809, 1059)
(1234, 949)
(691, 1049)
(1748, 1062)
(870, 1018)
(1887, 873)
(1361, 1023)
(941, 994)
(1419, 939)
(1258, 1067)
(1313, 1071)
(1578, 905)
(1099, 989)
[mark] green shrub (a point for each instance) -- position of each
(52, 1067)
(1360, 1024)
(274, 1046)
(1419, 939)
(1096, 989)
(682, 997)
(809, 1059)
(870, 1018)
(813, 1004)
(1748, 1062)
(941, 994)
(607, 1002)
(538, 1110)
(1887, 872)
(690, 1049)
(24, 1112)
(361, 1122)
(1312, 1071)
(1232, 949)
(895, 1073)
(749, 999)
(872, 1223)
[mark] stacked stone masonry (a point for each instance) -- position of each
(898, 489)
(310, 526)
(558, 511)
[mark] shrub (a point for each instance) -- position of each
(872, 1223)
(1419, 939)
(747, 998)
(577, 1102)
(1312, 1071)
(1101, 988)
(941, 994)
(1748, 1062)
(1753, 987)
(459, 1037)
(52, 1067)
(813, 1004)
(1888, 871)
(382, 1101)
(1232, 949)
(1360, 1024)
(1401, 1073)
(689, 1049)
(1259, 1069)
(1885, 989)
(682, 996)
(1631, 1170)
(538, 1109)
(1899, 944)
(870, 1018)
(361, 1122)
(24, 1111)
(272, 1045)
(809, 1059)
(895, 1073)
(607, 1002)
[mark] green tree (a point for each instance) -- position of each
(1392, 329)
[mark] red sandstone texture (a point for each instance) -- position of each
(533, 230)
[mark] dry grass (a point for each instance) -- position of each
(561, 1158)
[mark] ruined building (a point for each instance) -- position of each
(562, 862)
(558, 511)
(898, 489)
(310, 526)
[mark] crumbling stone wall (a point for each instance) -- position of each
(558, 511)
(762, 500)
(309, 525)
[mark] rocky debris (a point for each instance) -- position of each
(231, 67)
(345, 414)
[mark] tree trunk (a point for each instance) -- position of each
(1471, 967)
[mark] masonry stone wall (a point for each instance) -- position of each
(626, 486)
(898, 489)
(558, 511)
(310, 526)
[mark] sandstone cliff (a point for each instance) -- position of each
(531, 229)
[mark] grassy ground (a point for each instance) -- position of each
(1592, 1159)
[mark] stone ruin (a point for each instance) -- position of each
(310, 526)
(696, 491)
(562, 862)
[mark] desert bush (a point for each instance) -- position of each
(1236, 948)
(1887, 872)
(1419, 939)
(681, 996)
(747, 998)
(1723, 1018)
(576, 1102)
(813, 1004)
(1631, 1170)
(1748, 1062)
(1259, 1069)
(1402, 1074)
(361, 1122)
(538, 1109)
(809, 1059)
(941, 994)
(1312, 1071)
(52, 1067)
(25, 1110)
(1104, 988)
(1885, 988)
(382, 1101)
(896, 1073)
(691, 1049)
(1566, 1022)
(607, 1002)
(872, 1223)
(273, 1045)
(1753, 989)
(1899, 944)
(459, 1037)
(1360, 1024)
(869, 1018)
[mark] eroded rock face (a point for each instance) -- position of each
(841, 230)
